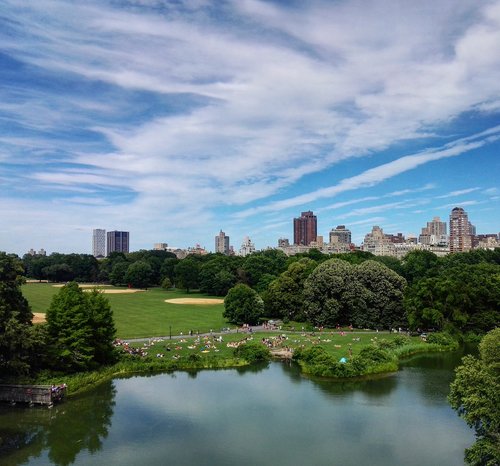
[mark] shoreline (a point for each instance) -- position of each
(81, 382)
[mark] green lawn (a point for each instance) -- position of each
(336, 344)
(144, 314)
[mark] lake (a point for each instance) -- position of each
(263, 415)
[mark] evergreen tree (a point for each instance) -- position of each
(16, 336)
(80, 329)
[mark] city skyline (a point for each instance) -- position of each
(174, 120)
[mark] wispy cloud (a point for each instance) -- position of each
(460, 192)
(202, 106)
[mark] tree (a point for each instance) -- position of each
(80, 329)
(218, 275)
(167, 269)
(118, 272)
(419, 264)
(59, 273)
(466, 298)
(331, 292)
(243, 305)
(16, 337)
(187, 274)
(139, 274)
(103, 328)
(271, 262)
(383, 297)
(284, 297)
(474, 395)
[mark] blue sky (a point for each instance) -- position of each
(175, 119)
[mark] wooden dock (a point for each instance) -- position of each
(32, 394)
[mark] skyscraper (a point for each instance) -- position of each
(222, 243)
(460, 231)
(98, 242)
(118, 241)
(305, 228)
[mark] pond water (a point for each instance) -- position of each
(266, 415)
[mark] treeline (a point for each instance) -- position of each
(458, 291)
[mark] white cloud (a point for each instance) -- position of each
(236, 112)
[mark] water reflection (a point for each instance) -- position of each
(59, 433)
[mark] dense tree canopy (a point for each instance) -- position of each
(243, 305)
(475, 395)
(219, 274)
(466, 297)
(284, 297)
(366, 295)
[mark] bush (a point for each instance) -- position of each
(440, 338)
(166, 283)
(373, 354)
(252, 352)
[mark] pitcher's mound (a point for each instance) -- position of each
(195, 301)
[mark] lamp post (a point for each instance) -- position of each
(170, 332)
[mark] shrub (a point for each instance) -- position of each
(441, 338)
(252, 352)
(373, 354)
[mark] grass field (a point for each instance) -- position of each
(335, 343)
(144, 314)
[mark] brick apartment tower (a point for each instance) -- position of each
(460, 231)
(305, 229)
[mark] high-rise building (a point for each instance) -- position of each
(118, 241)
(305, 229)
(247, 247)
(98, 242)
(222, 243)
(340, 235)
(434, 233)
(460, 231)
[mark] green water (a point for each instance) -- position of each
(268, 415)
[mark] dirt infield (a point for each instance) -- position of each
(38, 318)
(102, 289)
(125, 290)
(84, 285)
(195, 301)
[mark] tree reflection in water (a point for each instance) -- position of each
(64, 431)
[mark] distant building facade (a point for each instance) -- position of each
(460, 231)
(434, 234)
(378, 244)
(41, 252)
(247, 247)
(222, 243)
(117, 241)
(305, 229)
(99, 242)
(340, 235)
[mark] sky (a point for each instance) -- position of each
(175, 119)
